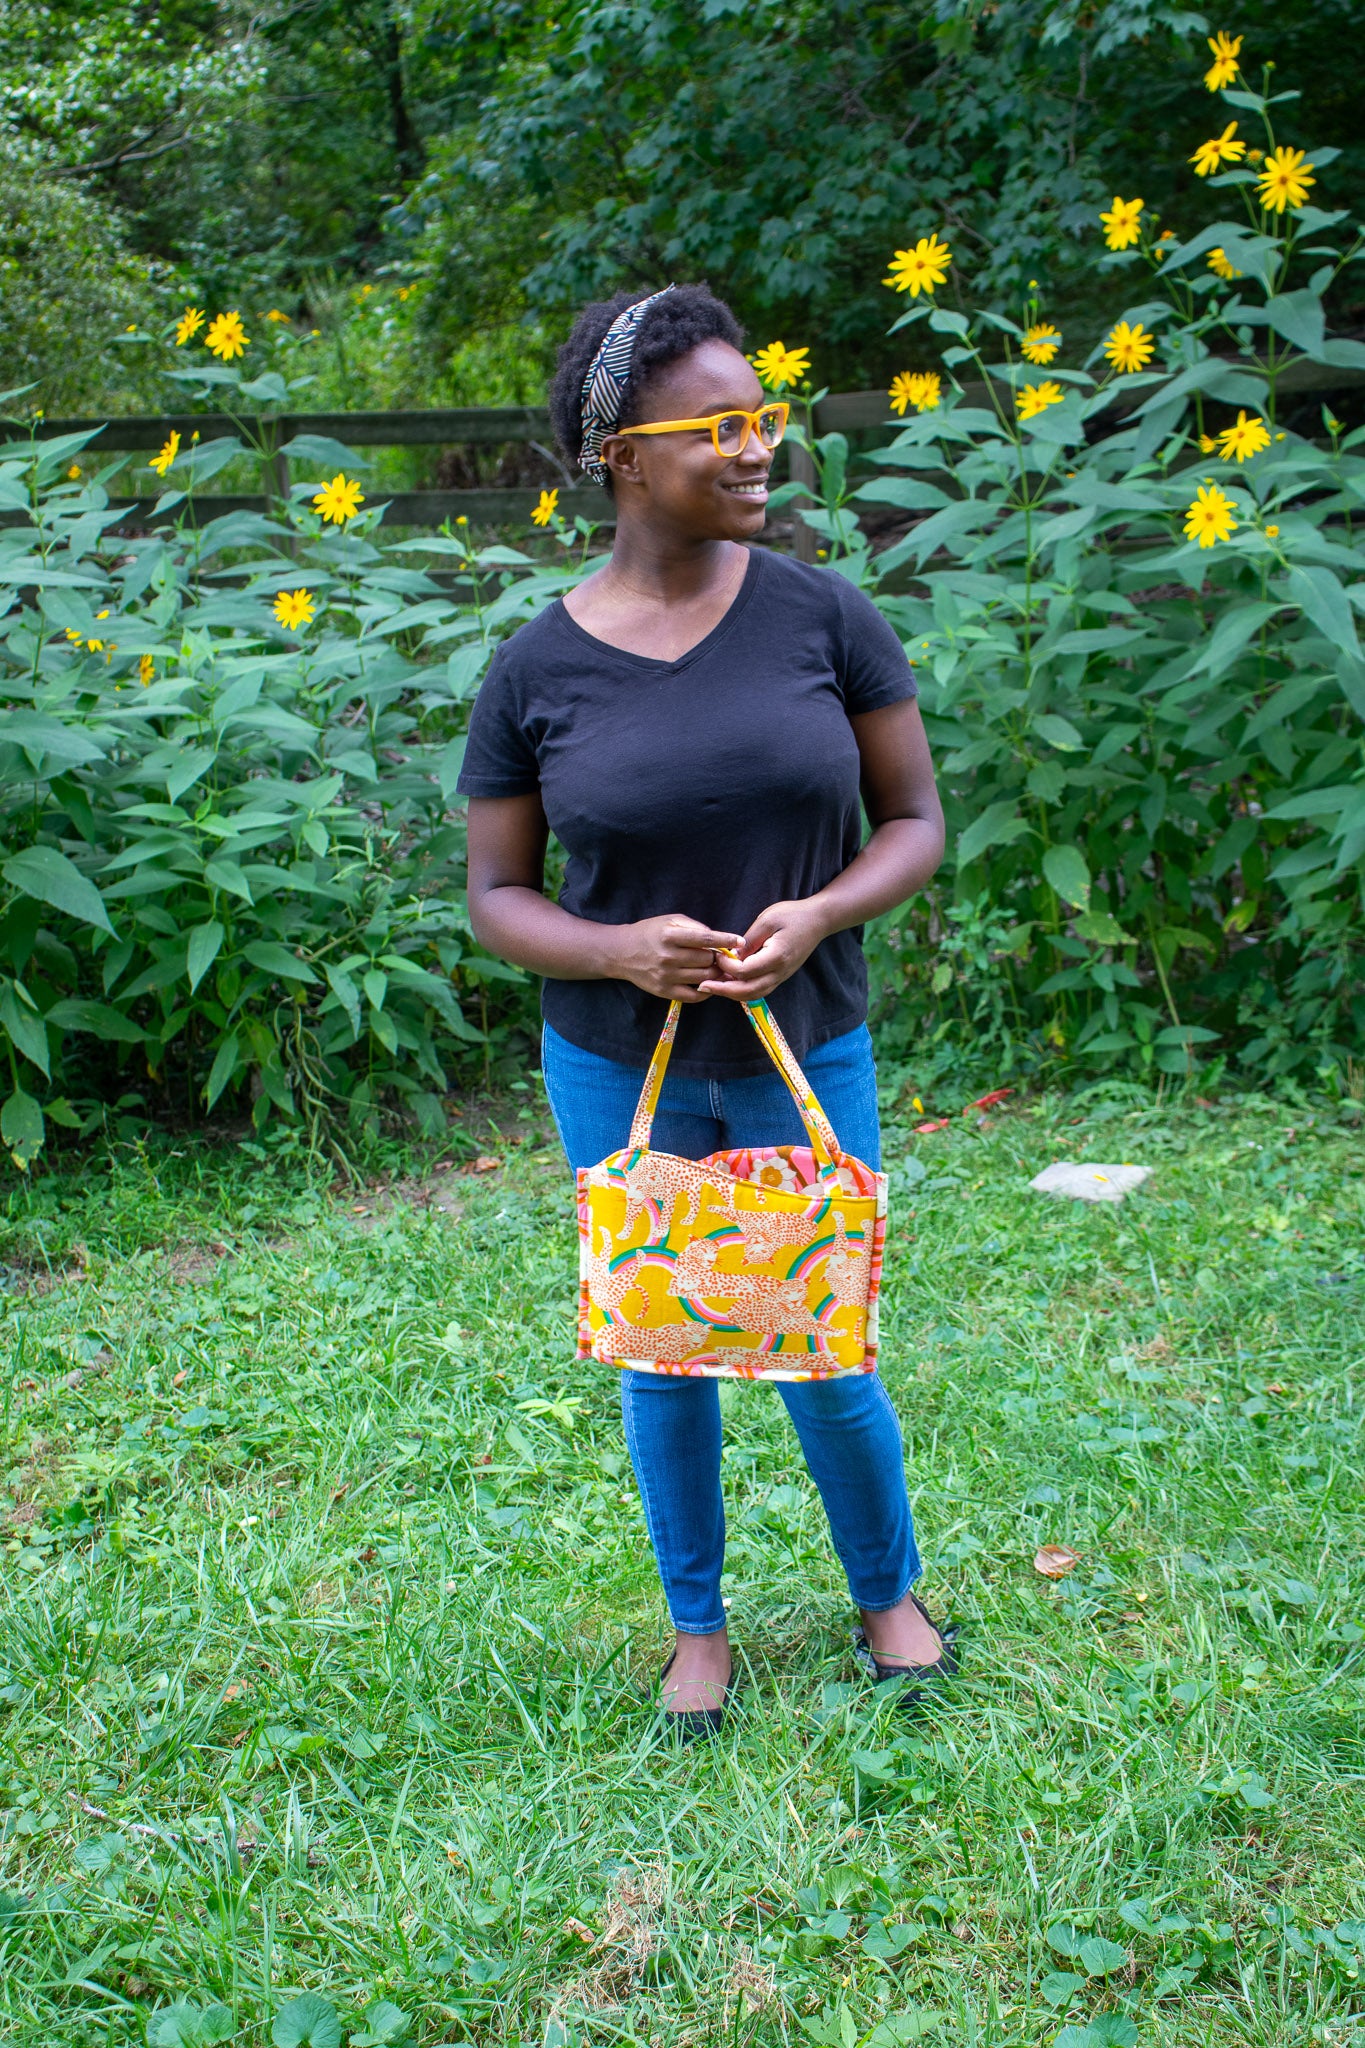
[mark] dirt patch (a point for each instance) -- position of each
(190, 1264)
(437, 1191)
(23, 1275)
(629, 1937)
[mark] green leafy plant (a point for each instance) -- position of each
(227, 762)
(1128, 590)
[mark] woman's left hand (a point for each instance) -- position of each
(778, 941)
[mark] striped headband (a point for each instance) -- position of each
(604, 387)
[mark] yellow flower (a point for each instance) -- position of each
(95, 646)
(916, 1104)
(101, 615)
(162, 461)
(1272, 533)
(1248, 437)
(921, 269)
(226, 337)
(1209, 517)
(1284, 181)
(1207, 444)
(73, 636)
(545, 508)
(1333, 424)
(1129, 348)
(1255, 156)
(1036, 398)
(1224, 67)
(921, 388)
(146, 669)
(189, 324)
(1120, 224)
(462, 519)
(1162, 240)
(405, 291)
(295, 608)
(1222, 265)
(74, 472)
(339, 500)
(1224, 149)
(280, 319)
(1041, 343)
(778, 365)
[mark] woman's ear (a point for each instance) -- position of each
(621, 453)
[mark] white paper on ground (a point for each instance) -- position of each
(1086, 1183)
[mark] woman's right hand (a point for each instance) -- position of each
(668, 956)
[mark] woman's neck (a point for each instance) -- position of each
(664, 570)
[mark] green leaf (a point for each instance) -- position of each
(21, 1127)
(1326, 603)
(386, 2026)
(275, 959)
(1067, 870)
(76, 1013)
(307, 2022)
(44, 873)
(225, 1063)
(1058, 732)
(190, 2026)
(202, 951)
(998, 825)
(25, 1028)
(1300, 318)
(1098, 1958)
(1102, 930)
(226, 874)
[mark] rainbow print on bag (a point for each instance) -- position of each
(754, 1263)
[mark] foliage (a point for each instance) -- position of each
(655, 139)
(67, 282)
(327, 1615)
(1132, 608)
(229, 859)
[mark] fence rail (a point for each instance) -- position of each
(493, 426)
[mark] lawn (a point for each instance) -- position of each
(329, 1632)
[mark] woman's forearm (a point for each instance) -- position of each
(898, 859)
(522, 925)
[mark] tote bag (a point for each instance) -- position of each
(756, 1263)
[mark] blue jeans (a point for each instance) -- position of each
(847, 1427)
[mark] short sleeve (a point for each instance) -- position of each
(499, 757)
(876, 670)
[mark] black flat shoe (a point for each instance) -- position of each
(691, 1724)
(917, 1681)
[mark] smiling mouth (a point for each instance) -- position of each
(756, 489)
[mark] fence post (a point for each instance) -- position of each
(801, 466)
(277, 483)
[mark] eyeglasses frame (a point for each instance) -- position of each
(713, 421)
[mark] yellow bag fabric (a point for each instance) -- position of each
(754, 1263)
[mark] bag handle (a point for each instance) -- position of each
(819, 1130)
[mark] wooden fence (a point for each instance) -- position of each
(492, 426)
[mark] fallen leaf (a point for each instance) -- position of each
(584, 1933)
(486, 1163)
(1054, 1560)
(340, 1492)
(1276, 1388)
(941, 1125)
(989, 1101)
(238, 1685)
(181, 1377)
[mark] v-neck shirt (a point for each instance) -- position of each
(711, 785)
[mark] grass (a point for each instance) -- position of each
(329, 1632)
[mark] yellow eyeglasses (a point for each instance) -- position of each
(730, 431)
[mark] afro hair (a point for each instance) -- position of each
(669, 330)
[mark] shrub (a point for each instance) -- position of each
(1131, 596)
(226, 760)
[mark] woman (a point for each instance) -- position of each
(695, 722)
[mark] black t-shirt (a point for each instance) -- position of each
(711, 786)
